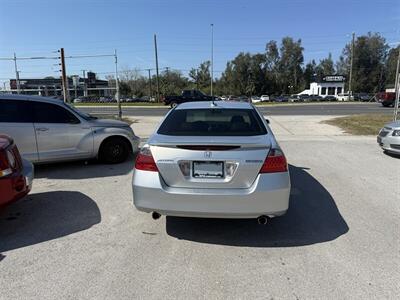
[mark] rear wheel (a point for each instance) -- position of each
(114, 151)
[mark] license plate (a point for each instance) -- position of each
(208, 169)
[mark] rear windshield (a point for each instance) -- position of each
(212, 122)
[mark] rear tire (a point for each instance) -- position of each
(114, 151)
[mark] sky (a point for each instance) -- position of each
(94, 27)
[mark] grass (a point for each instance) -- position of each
(114, 117)
(361, 124)
(155, 104)
(307, 102)
(122, 104)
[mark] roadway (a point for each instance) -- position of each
(320, 109)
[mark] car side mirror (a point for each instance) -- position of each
(266, 120)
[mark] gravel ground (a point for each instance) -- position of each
(78, 236)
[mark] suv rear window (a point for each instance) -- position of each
(212, 122)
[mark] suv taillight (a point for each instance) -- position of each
(275, 162)
(145, 161)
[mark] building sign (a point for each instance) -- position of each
(334, 78)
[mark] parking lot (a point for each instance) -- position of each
(77, 234)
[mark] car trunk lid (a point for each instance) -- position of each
(209, 162)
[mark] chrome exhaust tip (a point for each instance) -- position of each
(262, 220)
(155, 215)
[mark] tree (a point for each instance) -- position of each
(172, 82)
(370, 53)
(134, 84)
(237, 75)
(201, 76)
(309, 74)
(257, 82)
(271, 67)
(290, 65)
(391, 65)
(325, 67)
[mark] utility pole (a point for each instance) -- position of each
(75, 81)
(17, 74)
(117, 84)
(397, 89)
(85, 93)
(351, 67)
(157, 76)
(150, 92)
(212, 57)
(64, 79)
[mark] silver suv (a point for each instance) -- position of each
(48, 130)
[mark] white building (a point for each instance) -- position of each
(330, 85)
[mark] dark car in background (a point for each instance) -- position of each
(187, 96)
(364, 97)
(282, 98)
(244, 99)
(316, 98)
(304, 97)
(330, 98)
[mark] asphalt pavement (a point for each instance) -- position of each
(78, 236)
(322, 109)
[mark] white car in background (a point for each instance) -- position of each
(344, 97)
(255, 99)
(264, 98)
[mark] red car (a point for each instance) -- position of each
(386, 98)
(16, 173)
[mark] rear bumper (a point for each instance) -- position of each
(28, 172)
(269, 195)
(389, 143)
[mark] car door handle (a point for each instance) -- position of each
(42, 129)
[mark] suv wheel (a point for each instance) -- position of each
(114, 151)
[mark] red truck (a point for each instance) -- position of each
(16, 173)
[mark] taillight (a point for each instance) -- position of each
(275, 162)
(5, 166)
(11, 159)
(145, 161)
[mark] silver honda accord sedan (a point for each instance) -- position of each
(212, 159)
